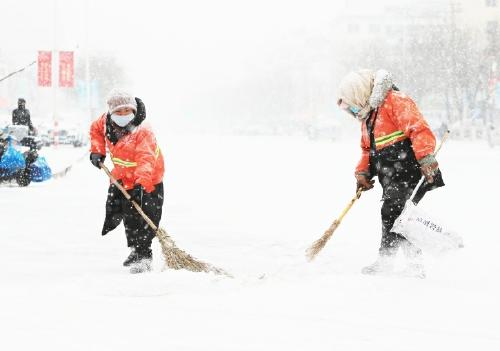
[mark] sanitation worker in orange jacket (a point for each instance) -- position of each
(138, 166)
(397, 146)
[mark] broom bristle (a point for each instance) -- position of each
(176, 258)
(319, 244)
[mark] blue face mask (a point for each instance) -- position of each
(354, 110)
(122, 121)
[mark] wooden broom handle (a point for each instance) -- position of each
(443, 139)
(348, 207)
(128, 197)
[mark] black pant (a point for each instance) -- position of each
(391, 241)
(399, 173)
(118, 208)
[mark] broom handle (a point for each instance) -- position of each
(348, 207)
(128, 197)
(421, 181)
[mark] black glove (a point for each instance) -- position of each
(137, 193)
(96, 158)
(140, 115)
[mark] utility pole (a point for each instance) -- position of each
(87, 63)
(455, 8)
(55, 78)
(493, 77)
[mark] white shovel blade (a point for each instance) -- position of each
(425, 232)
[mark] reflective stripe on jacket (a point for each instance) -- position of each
(136, 157)
(398, 118)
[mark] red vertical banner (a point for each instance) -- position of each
(66, 69)
(44, 68)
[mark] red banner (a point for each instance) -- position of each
(44, 68)
(66, 69)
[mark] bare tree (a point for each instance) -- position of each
(437, 62)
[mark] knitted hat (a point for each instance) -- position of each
(118, 99)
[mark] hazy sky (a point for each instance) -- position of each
(151, 29)
(221, 31)
(167, 47)
(172, 50)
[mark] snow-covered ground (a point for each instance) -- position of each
(251, 205)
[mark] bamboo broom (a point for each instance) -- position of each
(175, 258)
(319, 244)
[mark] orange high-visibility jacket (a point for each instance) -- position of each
(398, 118)
(136, 157)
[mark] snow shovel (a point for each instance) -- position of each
(319, 244)
(422, 229)
(174, 257)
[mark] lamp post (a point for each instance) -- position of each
(55, 71)
(88, 108)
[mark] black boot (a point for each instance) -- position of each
(132, 258)
(143, 263)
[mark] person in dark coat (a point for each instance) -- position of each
(397, 146)
(21, 116)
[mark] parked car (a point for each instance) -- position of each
(64, 137)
